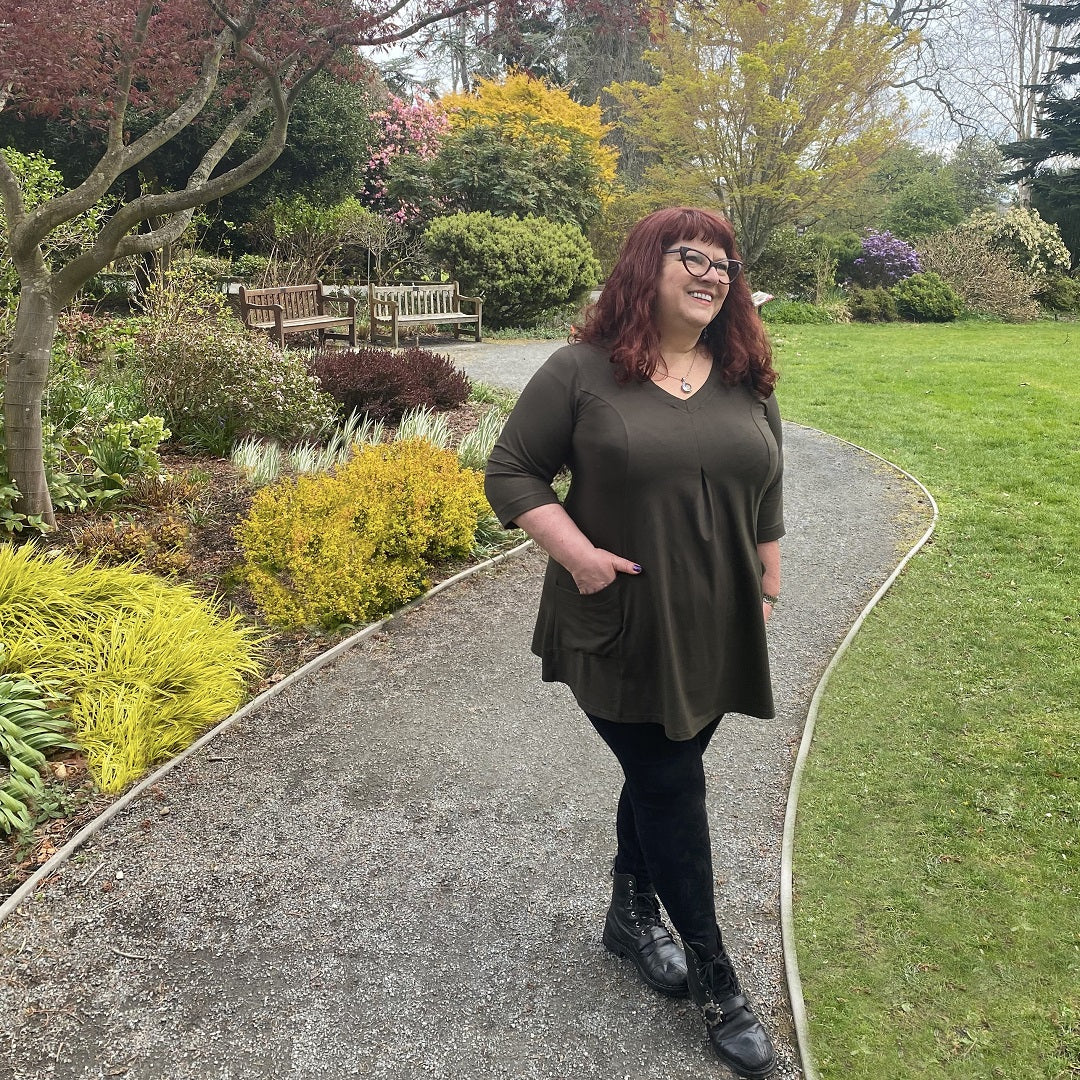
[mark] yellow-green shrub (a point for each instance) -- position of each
(352, 546)
(146, 665)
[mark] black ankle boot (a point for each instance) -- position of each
(633, 929)
(735, 1032)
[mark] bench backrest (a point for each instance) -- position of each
(297, 301)
(420, 299)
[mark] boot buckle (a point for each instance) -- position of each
(714, 1015)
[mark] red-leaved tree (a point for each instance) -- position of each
(143, 71)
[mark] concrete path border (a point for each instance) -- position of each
(791, 960)
(790, 964)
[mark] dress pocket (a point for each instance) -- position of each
(589, 624)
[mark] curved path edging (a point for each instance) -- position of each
(787, 930)
(61, 856)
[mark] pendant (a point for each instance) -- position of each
(685, 387)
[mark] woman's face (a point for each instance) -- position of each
(684, 301)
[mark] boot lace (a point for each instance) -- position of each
(718, 974)
(645, 910)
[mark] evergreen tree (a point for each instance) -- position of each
(1048, 160)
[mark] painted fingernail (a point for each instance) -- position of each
(637, 569)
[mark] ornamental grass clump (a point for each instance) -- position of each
(145, 665)
(351, 546)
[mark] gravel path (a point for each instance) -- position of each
(398, 867)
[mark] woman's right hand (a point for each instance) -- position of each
(599, 570)
(592, 568)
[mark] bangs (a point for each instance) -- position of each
(686, 223)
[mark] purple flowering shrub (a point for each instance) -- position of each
(885, 260)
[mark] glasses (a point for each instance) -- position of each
(698, 263)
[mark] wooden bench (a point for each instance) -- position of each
(293, 309)
(421, 303)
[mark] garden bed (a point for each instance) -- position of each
(223, 498)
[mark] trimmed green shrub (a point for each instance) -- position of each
(521, 266)
(1061, 293)
(872, 305)
(385, 384)
(214, 382)
(352, 546)
(146, 665)
(796, 312)
(926, 298)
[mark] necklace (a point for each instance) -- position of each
(684, 380)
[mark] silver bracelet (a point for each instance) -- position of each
(772, 601)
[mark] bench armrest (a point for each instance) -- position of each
(347, 299)
(249, 305)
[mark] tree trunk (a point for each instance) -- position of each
(24, 387)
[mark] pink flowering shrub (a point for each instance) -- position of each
(405, 128)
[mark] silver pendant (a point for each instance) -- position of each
(685, 387)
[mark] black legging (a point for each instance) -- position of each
(662, 825)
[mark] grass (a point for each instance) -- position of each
(935, 858)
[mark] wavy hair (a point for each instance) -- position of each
(623, 318)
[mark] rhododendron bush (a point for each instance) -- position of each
(414, 128)
(885, 259)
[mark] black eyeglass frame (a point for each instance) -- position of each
(729, 268)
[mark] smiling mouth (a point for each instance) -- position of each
(707, 297)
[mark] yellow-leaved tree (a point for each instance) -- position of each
(519, 146)
(521, 105)
(771, 112)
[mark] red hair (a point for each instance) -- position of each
(622, 318)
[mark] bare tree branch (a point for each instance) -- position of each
(418, 25)
(124, 78)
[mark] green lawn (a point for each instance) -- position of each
(936, 886)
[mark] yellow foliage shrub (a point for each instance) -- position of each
(351, 546)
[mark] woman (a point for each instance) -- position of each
(664, 567)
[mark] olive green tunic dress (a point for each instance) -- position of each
(686, 488)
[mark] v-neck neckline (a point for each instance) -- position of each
(689, 400)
